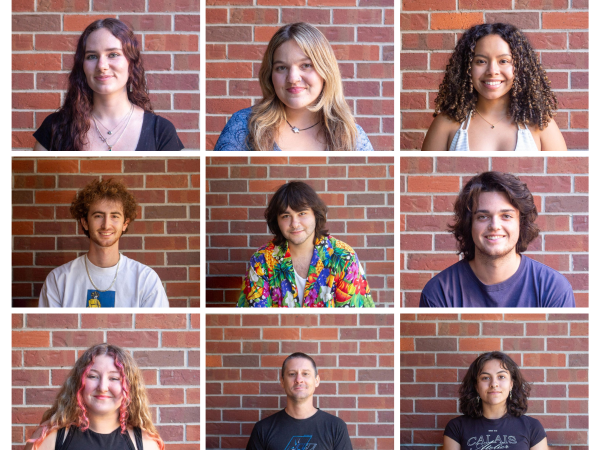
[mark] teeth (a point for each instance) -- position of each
(492, 83)
(494, 238)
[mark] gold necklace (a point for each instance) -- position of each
(491, 124)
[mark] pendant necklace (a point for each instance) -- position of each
(296, 130)
(114, 130)
(105, 139)
(493, 125)
(92, 281)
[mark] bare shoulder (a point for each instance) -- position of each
(149, 443)
(47, 444)
(440, 133)
(550, 137)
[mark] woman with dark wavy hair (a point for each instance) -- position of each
(493, 400)
(107, 107)
(495, 96)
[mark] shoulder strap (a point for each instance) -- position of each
(60, 436)
(137, 433)
(467, 121)
(61, 442)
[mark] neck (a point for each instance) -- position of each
(494, 270)
(301, 118)
(494, 411)
(305, 249)
(300, 409)
(103, 424)
(112, 106)
(493, 108)
(103, 256)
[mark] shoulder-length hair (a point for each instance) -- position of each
(531, 100)
(338, 123)
(296, 195)
(69, 408)
(74, 117)
(515, 406)
(467, 202)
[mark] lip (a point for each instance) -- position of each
(102, 397)
(496, 236)
(297, 232)
(493, 87)
(295, 90)
(103, 77)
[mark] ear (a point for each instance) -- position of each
(317, 380)
(125, 224)
(281, 383)
(84, 223)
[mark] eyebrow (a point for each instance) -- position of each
(500, 371)
(483, 56)
(106, 50)
(112, 371)
(487, 211)
(289, 211)
(112, 212)
(282, 62)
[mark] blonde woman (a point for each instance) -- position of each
(303, 106)
(102, 405)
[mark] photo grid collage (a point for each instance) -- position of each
(430, 282)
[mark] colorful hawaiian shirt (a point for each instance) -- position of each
(335, 278)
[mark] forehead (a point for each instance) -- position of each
(106, 205)
(494, 201)
(102, 39)
(289, 210)
(492, 44)
(299, 364)
(289, 51)
(103, 363)
(493, 366)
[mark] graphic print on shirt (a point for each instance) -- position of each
(300, 443)
(97, 299)
(489, 442)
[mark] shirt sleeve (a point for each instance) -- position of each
(166, 136)
(363, 144)
(254, 442)
(342, 441)
(537, 433)
(256, 290)
(49, 296)
(44, 133)
(454, 430)
(154, 292)
(353, 288)
(233, 136)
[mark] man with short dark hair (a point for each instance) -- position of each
(103, 278)
(300, 426)
(303, 266)
(494, 223)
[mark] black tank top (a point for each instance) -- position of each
(90, 440)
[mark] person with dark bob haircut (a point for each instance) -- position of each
(107, 107)
(493, 399)
(494, 218)
(103, 278)
(303, 266)
(495, 96)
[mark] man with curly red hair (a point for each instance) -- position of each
(103, 278)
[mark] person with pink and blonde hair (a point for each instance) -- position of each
(102, 405)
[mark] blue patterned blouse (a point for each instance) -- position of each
(233, 136)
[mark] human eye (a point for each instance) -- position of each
(114, 54)
(90, 56)
(307, 66)
(279, 68)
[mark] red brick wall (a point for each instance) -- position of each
(557, 30)
(359, 192)
(165, 346)
(354, 355)
(165, 235)
(360, 31)
(437, 349)
(45, 34)
(429, 187)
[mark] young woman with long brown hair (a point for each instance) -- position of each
(107, 107)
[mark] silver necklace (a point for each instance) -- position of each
(492, 125)
(104, 139)
(92, 281)
(296, 130)
(114, 130)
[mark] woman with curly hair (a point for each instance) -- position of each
(103, 404)
(495, 96)
(303, 105)
(493, 399)
(107, 106)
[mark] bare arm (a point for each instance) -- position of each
(47, 444)
(543, 445)
(149, 443)
(438, 134)
(451, 444)
(39, 147)
(552, 139)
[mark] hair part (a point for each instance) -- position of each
(467, 202)
(298, 355)
(338, 126)
(74, 117)
(532, 102)
(515, 406)
(97, 190)
(296, 195)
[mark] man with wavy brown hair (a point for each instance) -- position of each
(494, 223)
(103, 278)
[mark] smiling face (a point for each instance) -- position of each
(297, 226)
(105, 66)
(496, 226)
(494, 383)
(296, 81)
(492, 67)
(105, 222)
(299, 380)
(103, 390)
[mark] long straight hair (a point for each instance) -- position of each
(69, 130)
(338, 124)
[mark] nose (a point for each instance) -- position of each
(103, 384)
(295, 221)
(102, 62)
(493, 67)
(293, 75)
(494, 223)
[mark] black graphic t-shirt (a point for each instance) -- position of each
(508, 432)
(322, 431)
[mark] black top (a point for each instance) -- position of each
(321, 431)
(508, 432)
(158, 134)
(90, 440)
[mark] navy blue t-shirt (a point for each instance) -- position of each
(508, 432)
(532, 285)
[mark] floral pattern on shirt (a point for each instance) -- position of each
(335, 278)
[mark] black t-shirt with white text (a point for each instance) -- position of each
(508, 432)
(321, 431)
